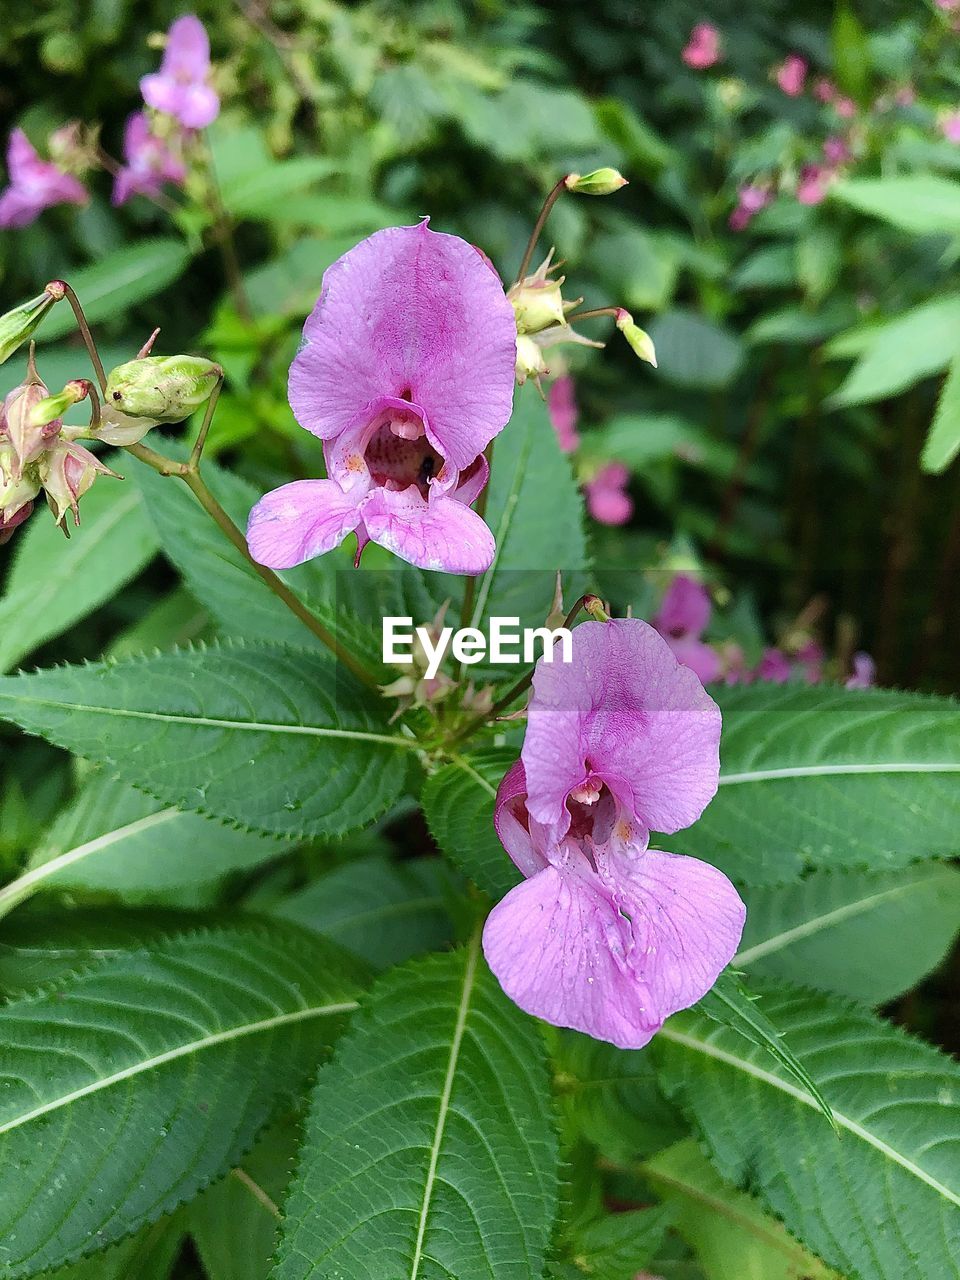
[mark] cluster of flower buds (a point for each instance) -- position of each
(38, 452)
(542, 313)
(418, 688)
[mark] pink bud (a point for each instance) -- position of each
(792, 75)
(28, 441)
(703, 48)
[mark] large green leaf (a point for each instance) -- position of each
(881, 1198)
(921, 202)
(733, 1237)
(129, 1086)
(260, 193)
(617, 1245)
(829, 777)
(429, 1150)
(536, 516)
(54, 583)
(915, 345)
(149, 1255)
(381, 910)
(126, 276)
(458, 805)
(943, 442)
(833, 929)
(695, 352)
(115, 839)
(272, 738)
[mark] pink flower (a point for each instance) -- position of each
(150, 162)
(792, 75)
(751, 198)
(683, 617)
(906, 95)
(406, 374)
(774, 666)
(864, 672)
(564, 414)
(845, 108)
(607, 497)
(703, 48)
(949, 125)
(813, 184)
(605, 934)
(948, 5)
(824, 90)
(35, 184)
(836, 151)
(810, 656)
(180, 87)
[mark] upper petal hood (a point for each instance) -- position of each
(414, 314)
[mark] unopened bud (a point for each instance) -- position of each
(162, 388)
(639, 339)
(66, 472)
(537, 305)
(530, 361)
(9, 525)
(50, 408)
(28, 441)
(16, 490)
(602, 182)
(596, 609)
(17, 325)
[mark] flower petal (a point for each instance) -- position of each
(685, 608)
(414, 314)
(643, 721)
(299, 521)
(187, 54)
(511, 822)
(199, 106)
(441, 534)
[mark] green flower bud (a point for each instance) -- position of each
(602, 182)
(16, 490)
(27, 440)
(51, 408)
(530, 361)
(639, 339)
(537, 305)
(17, 325)
(162, 388)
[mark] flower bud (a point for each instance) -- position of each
(49, 409)
(162, 388)
(639, 339)
(28, 441)
(17, 325)
(16, 490)
(66, 472)
(10, 524)
(530, 361)
(602, 182)
(537, 304)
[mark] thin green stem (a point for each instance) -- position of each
(85, 333)
(538, 226)
(201, 440)
(590, 315)
(223, 230)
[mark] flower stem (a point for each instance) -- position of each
(85, 333)
(201, 439)
(590, 315)
(538, 226)
(223, 230)
(514, 692)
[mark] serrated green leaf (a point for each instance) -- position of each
(733, 1237)
(115, 839)
(458, 806)
(832, 930)
(829, 777)
(54, 583)
(943, 442)
(130, 1086)
(150, 1255)
(126, 276)
(882, 1200)
(275, 739)
(615, 1247)
(729, 1004)
(429, 1150)
(381, 910)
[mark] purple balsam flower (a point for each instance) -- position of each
(605, 934)
(608, 500)
(35, 184)
(683, 617)
(150, 162)
(406, 374)
(180, 88)
(864, 675)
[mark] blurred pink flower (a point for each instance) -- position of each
(824, 90)
(948, 5)
(681, 619)
(751, 198)
(949, 125)
(35, 184)
(814, 180)
(150, 162)
(845, 108)
(564, 414)
(906, 95)
(835, 150)
(703, 48)
(774, 666)
(792, 75)
(607, 497)
(810, 656)
(864, 672)
(180, 87)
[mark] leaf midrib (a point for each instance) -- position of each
(469, 978)
(841, 1120)
(834, 770)
(171, 1055)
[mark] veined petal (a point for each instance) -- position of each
(299, 521)
(512, 824)
(441, 534)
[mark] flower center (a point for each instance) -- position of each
(399, 454)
